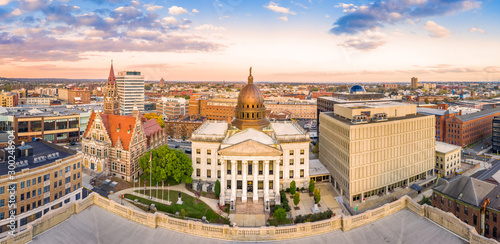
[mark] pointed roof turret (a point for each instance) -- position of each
(111, 78)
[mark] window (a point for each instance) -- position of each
(198, 160)
(98, 126)
(2, 190)
(123, 168)
(218, 162)
(281, 162)
(78, 175)
(209, 161)
(114, 166)
(302, 161)
(291, 161)
(261, 185)
(28, 195)
(239, 165)
(209, 152)
(55, 174)
(228, 163)
(239, 185)
(2, 215)
(494, 232)
(46, 189)
(209, 173)
(67, 180)
(487, 215)
(458, 208)
(55, 184)
(494, 217)
(46, 177)
(228, 184)
(218, 174)
(67, 169)
(271, 184)
(22, 184)
(118, 154)
(291, 174)
(271, 167)
(474, 219)
(281, 174)
(33, 181)
(74, 176)
(291, 152)
(33, 193)
(301, 151)
(198, 172)
(22, 197)
(449, 203)
(301, 173)
(261, 166)
(46, 200)
(2, 203)
(39, 191)
(60, 182)
(466, 211)
(198, 151)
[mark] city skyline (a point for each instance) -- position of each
(296, 41)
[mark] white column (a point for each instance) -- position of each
(244, 172)
(233, 180)
(223, 182)
(266, 180)
(276, 183)
(255, 181)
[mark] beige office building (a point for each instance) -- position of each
(447, 159)
(372, 148)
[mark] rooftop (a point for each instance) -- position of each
(479, 114)
(212, 128)
(317, 168)
(386, 104)
(40, 148)
(30, 111)
(339, 100)
(443, 147)
(348, 122)
(434, 111)
(465, 188)
(282, 128)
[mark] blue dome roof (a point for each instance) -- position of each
(357, 89)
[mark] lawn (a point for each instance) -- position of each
(194, 208)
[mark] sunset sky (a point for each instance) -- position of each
(216, 40)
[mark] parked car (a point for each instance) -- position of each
(72, 143)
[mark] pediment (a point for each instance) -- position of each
(250, 148)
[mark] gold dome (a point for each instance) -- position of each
(250, 111)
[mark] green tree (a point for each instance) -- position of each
(280, 214)
(317, 195)
(426, 101)
(182, 213)
(446, 100)
(293, 187)
(167, 163)
(312, 184)
(435, 100)
(296, 198)
(425, 200)
(217, 188)
(147, 87)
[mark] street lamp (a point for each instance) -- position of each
(267, 204)
(232, 205)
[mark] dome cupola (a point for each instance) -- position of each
(250, 111)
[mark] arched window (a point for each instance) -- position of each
(494, 232)
(486, 230)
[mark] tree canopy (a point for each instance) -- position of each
(293, 187)
(167, 163)
(157, 117)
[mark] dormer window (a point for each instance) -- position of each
(128, 131)
(98, 126)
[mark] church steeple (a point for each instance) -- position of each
(111, 78)
(111, 101)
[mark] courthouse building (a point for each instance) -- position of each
(251, 157)
(372, 148)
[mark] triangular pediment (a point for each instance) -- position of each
(250, 148)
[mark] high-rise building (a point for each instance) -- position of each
(130, 85)
(414, 82)
(372, 148)
(111, 98)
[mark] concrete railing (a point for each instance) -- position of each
(344, 223)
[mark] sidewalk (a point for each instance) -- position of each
(212, 203)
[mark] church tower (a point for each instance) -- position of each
(111, 101)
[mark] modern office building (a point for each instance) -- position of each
(251, 157)
(470, 128)
(44, 173)
(448, 159)
(130, 86)
(495, 139)
(414, 83)
(372, 148)
(72, 96)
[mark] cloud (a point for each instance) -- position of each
(436, 30)
(174, 10)
(380, 13)
(170, 20)
(366, 41)
(474, 29)
(151, 7)
(195, 11)
(276, 8)
(210, 28)
(284, 18)
(4, 2)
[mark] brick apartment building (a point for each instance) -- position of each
(75, 96)
(441, 116)
(183, 128)
(469, 128)
(317, 94)
(463, 197)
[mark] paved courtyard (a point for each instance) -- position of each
(327, 201)
(96, 225)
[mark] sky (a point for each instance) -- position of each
(283, 40)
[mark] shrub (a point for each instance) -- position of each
(317, 195)
(279, 214)
(217, 188)
(313, 217)
(312, 184)
(292, 187)
(182, 213)
(287, 189)
(296, 198)
(203, 193)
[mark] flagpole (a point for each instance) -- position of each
(150, 170)
(168, 193)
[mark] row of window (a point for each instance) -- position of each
(209, 173)
(291, 152)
